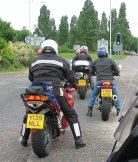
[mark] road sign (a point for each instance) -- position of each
(75, 47)
(117, 47)
(102, 44)
(34, 40)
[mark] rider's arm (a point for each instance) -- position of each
(30, 74)
(93, 71)
(115, 68)
(69, 75)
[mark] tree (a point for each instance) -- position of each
(104, 27)
(6, 31)
(88, 25)
(114, 26)
(21, 34)
(134, 44)
(123, 27)
(53, 34)
(73, 30)
(63, 30)
(44, 28)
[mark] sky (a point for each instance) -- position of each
(17, 11)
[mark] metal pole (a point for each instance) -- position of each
(29, 21)
(29, 15)
(110, 33)
(118, 55)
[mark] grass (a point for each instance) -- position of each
(93, 56)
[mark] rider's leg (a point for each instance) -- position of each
(72, 118)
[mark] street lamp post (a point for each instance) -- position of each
(29, 15)
(110, 33)
(30, 19)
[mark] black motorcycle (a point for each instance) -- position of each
(82, 69)
(106, 99)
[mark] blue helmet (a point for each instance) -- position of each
(101, 53)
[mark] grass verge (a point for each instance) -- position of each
(93, 56)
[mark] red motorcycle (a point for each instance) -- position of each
(45, 118)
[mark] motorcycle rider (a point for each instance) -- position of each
(77, 51)
(105, 69)
(83, 55)
(52, 68)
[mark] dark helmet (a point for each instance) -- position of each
(101, 53)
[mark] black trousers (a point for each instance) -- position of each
(69, 113)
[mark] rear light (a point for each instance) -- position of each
(106, 83)
(35, 98)
(33, 131)
(85, 74)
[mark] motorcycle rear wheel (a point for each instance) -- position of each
(105, 108)
(42, 140)
(82, 92)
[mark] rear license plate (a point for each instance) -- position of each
(35, 121)
(106, 92)
(82, 82)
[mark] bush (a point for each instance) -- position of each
(65, 49)
(126, 53)
(23, 51)
(9, 61)
(2, 43)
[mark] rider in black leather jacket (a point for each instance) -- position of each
(52, 68)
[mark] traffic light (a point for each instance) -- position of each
(118, 38)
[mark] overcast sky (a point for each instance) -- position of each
(17, 11)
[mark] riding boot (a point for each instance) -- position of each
(89, 113)
(25, 132)
(76, 131)
(118, 111)
(79, 143)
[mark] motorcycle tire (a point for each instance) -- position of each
(42, 140)
(105, 108)
(82, 92)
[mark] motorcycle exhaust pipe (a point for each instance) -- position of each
(114, 97)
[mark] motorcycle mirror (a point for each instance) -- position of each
(137, 93)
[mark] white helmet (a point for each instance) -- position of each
(84, 48)
(49, 45)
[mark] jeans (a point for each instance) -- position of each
(95, 93)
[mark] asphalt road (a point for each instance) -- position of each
(97, 134)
